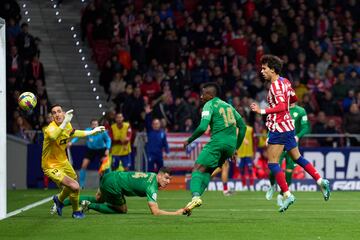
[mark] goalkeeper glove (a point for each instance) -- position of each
(68, 116)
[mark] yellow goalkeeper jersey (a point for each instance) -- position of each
(54, 146)
(247, 147)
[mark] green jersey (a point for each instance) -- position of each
(302, 125)
(132, 184)
(223, 120)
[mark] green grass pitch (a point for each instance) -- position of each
(246, 215)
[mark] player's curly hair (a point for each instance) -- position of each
(273, 62)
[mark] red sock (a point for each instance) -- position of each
(281, 181)
(251, 180)
(46, 181)
(309, 168)
(243, 180)
(225, 187)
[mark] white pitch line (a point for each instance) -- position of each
(261, 210)
(30, 206)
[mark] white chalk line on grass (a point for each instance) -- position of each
(30, 206)
(258, 210)
(247, 198)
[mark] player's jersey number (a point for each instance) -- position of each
(228, 116)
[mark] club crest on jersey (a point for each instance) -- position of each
(62, 141)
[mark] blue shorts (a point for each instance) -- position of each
(245, 161)
(286, 138)
(125, 161)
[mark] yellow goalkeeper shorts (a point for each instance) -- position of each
(58, 174)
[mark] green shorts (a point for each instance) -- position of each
(214, 154)
(110, 193)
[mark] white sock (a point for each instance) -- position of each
(319, 181)
(287, 194)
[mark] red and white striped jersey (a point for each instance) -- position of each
(279, 97)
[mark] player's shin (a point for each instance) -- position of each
(199, 182)
(64, 193)
(74, 199)
(280, 177)
(102, 208)
(272, 179)
(309, 168)
(92, 199)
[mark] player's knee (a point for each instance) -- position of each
(200, 168)
(75, 187)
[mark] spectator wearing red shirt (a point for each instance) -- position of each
(150, 88)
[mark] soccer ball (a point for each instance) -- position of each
(27, 101)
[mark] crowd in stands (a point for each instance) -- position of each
(24, 72)
(159, 53)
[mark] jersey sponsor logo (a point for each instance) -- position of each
(205, 113)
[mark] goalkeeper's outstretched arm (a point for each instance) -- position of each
(84, 133)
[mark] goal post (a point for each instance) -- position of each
(2, 120)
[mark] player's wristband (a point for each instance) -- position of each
(262, 111)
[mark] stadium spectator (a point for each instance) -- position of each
(351, 123)
(320, 124)
(20, 128)
(181, 114)
(329, 106)
(26, 43)
(15, 64)
(35, 70)
(330, 141)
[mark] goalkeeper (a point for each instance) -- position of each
(55, 163)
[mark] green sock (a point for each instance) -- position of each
(288, 177)
(272, 179)
(199, 182)
(102, 208)
(89, 198)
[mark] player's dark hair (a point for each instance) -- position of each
(94, 120)
(55, 105)
(165, 170)
(273, 62)
(214, 88)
